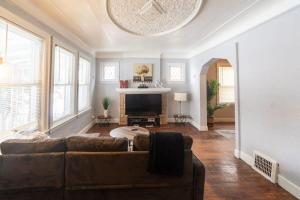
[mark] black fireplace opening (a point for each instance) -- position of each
(143, 104)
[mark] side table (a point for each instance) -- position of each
(105, 121)
(181, 119)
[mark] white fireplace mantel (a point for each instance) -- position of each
(143, 90)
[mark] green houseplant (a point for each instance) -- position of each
(212, 90)
(105, 104)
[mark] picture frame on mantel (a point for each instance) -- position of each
(143, 72)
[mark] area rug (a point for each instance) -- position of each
(229, 134)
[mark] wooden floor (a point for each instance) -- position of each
(227, 178)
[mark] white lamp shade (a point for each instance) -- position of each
(180, 96)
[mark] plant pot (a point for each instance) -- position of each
(105, 113)
(210, 121)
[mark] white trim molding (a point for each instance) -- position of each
(289, 186)
(282, 181)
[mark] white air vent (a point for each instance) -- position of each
(266, 166)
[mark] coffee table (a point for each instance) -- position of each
(128, 132)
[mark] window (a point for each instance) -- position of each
(63, 80)
(109, 71)
(84, 84)
(176, 72)
(20, 80)
(226, 81)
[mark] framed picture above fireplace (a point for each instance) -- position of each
(142, 72)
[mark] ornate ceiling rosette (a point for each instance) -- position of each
(152, 17)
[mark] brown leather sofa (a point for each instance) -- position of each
(92, 169)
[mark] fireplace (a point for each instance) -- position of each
(150, 105)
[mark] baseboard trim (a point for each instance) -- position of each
(87, 127)
(282, 181)
(237, 153)
(246, 158)
(224, 119)
(289, 186)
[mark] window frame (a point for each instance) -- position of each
(182, 65)
(69, 117)
(19, 23)
(117, 72)
(89, 107)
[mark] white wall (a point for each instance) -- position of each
(126, 73)
(268, 71)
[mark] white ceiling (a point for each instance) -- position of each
(88, 20)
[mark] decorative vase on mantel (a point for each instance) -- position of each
(105, 113)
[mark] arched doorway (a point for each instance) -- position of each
(216, 68)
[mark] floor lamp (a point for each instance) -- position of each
(180, 96)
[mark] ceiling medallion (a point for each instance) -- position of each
(152, 17)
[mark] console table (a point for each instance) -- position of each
(104, 120)
(181, 119)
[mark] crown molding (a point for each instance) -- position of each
(117, 55)
(23, 9)
(256, 14)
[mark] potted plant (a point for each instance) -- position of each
(212, 90)
(105, 104)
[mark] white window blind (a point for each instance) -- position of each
(63, 90)
(176, 72)
(109, 71)
(226, 81)
(20, 82)
(84, 84)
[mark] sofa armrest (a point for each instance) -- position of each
(198, 179)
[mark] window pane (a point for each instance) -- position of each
(63, 95)
(20, 80)
(226, 81)
(83, 95)
(62, 101)
(23, 56)
(109, 72)
(226, 94)
(226, 76)
(175, 73)
(84, 84)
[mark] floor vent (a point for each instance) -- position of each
(266, 166)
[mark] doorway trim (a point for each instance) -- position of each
(203, 97)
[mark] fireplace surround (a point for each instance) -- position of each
(161, 118)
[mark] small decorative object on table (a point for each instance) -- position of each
(181, 119)
(104, 120)
(105, 104)
(123, 83)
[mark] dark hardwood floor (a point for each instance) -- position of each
(227, 178)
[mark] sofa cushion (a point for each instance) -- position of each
(26, 146)
(141, 142)
(32, 171)
(94, 144)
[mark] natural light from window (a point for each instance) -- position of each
(226, 81)
(20, 80)
(84, 84)
(176, 72)
(63, 92)
(109, 71)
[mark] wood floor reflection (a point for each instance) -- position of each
(227, 178)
